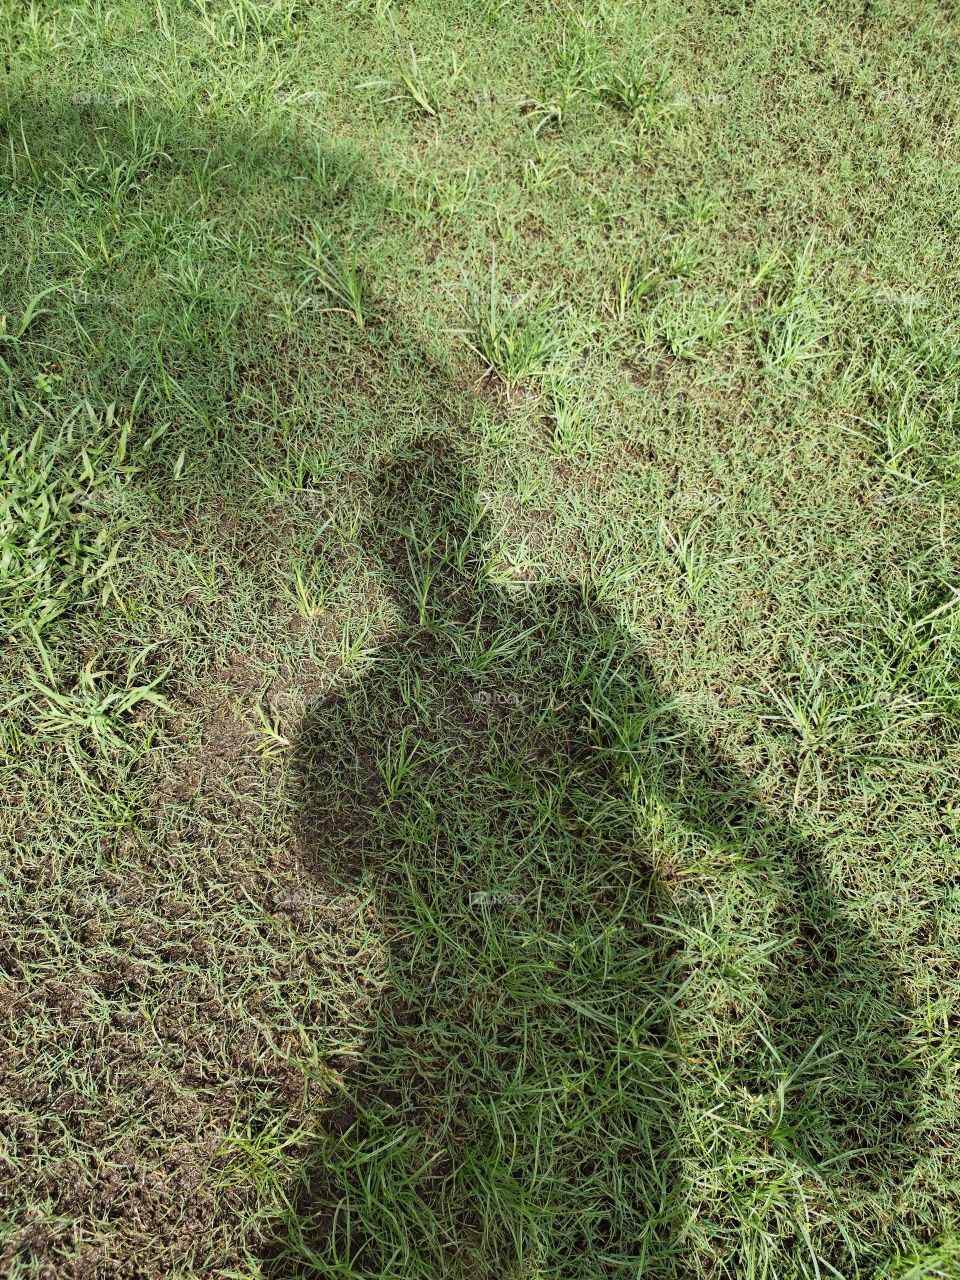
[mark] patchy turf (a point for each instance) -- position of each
(479, 558)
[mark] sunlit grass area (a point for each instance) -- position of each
(480, 584)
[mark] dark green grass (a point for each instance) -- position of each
(478, 547)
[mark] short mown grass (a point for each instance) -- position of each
(481, 606)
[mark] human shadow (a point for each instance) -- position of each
(516, 794)
(504, 782)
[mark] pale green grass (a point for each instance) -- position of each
(479, 563)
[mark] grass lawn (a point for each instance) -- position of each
(480, 683)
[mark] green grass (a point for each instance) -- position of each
(481, 604)
(515, 341)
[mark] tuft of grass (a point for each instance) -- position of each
(422, 92)
(335, 172)
(444, 196)
(544, 170)
(633, 281)
(415, 84)
(795, 322)
(91, 716)
(310, 592)
(515, 341)
(642, 95)
(572, 417)
(694, 325)
(688, 551)
(339, 274)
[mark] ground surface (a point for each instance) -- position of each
(479, 493)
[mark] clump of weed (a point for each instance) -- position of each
(572, 417)
(415, 84)
(516, 341)
(696, 324)
(90, 717)
(338, 273)
(642, 95)
(576, 62)
(794, 322)
(439, 196)
(334, 172)
(633, 280)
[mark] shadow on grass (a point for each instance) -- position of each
(507, 782)
(502, 782)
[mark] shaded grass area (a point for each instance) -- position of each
(520, 1100)
(479, 556)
